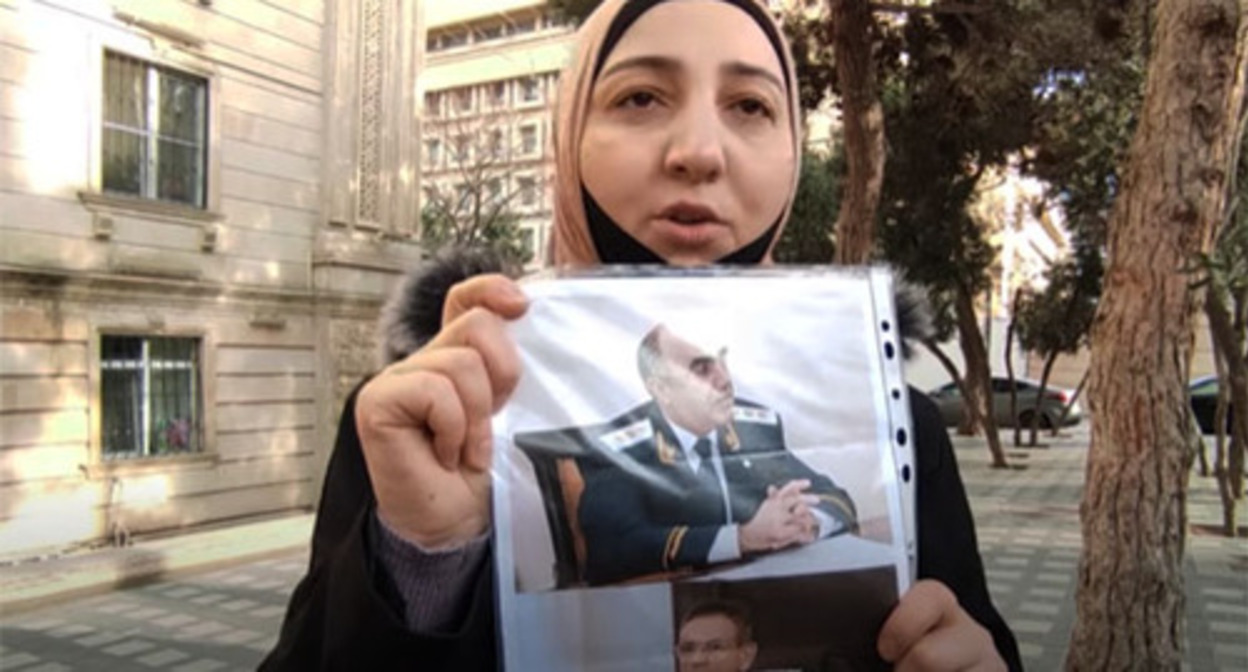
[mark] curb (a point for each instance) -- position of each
(40, 583)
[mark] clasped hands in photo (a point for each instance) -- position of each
(424, 425)
(785, 518)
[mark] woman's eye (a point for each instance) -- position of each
(754, 107)
(638, 99)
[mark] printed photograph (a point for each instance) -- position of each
(790, 624)
(677, 430)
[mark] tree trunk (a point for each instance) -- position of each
(862, 127)
(1061, 421)
(1044, 386)
(1009, 369)
(967, 421)
(1229, 342)
(1130, 600)
(978, 375)
(1220, 474)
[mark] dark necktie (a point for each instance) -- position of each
(703, 448)
(707, 473)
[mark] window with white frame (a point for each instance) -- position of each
(154, 131)
(527, 24)
(498, 94)
(526, 188)
(495, 144)
(150, 399)
(528, 139)
(460, 150)
(433, 104)
(433, 153)
(450, 40)
(490, 32)
(528, 239)
(530, 90)
(463, 100)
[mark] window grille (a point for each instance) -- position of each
(150, 396)
(154, 131)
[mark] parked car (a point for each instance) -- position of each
(949, 398)
(1203, 393)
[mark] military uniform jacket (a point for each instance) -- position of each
(644, 510)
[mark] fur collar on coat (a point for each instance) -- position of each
(413, 313)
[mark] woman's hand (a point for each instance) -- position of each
(424, 422)
(929, 630)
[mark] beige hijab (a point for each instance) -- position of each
(572, 243)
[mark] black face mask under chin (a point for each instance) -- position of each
(615, 246)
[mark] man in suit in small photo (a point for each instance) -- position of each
(695, 476)
(715, 636)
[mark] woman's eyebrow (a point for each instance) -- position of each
(670, 65)
(660, 63)
(743, 69)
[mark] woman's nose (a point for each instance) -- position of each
(695, 150)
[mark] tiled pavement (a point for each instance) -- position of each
(1028, 532)
(1028, 524)
(224, 620)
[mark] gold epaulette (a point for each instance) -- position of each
(629, 435)
(664, 449)
(754, 414)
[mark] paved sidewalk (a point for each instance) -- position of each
(38, 583)
(1028, 525)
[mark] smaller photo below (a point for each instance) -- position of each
(815, 623)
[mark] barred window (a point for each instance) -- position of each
(154, 131)
(150, 396)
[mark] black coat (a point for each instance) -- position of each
(346, 615)
(644, 510)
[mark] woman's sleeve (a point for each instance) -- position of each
(948, 549)
(347, 612)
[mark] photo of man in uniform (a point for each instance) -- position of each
(695, 476)
(715, 636)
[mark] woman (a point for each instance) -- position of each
(677, 143)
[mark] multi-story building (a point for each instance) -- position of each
(201, 206)
(488, 88)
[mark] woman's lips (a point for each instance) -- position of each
(688, 234)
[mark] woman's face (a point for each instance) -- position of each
(687, 143)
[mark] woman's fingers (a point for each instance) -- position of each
(452, 387)
(921, 609)
(929, 630)
(484, 331)
(460, 419)
(495, 292)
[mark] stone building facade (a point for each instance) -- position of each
(202, 205)
(488, 89)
